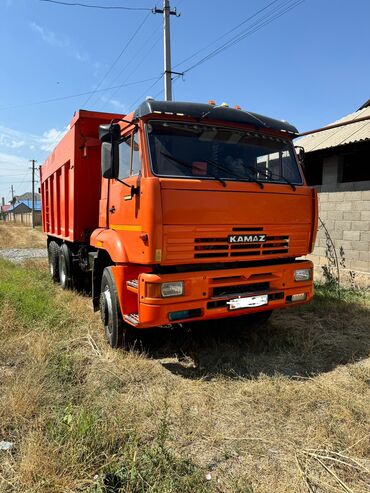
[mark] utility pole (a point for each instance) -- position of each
(12, 192)
(33, 161)
(166, 11)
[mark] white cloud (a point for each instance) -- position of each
(16, 150)
(14, 139)
(9, 164)
(50, 138)
(52, 39)
(117, 105)
(48, 36)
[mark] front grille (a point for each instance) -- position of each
(222, 303)
(240, 289)
(220, 247)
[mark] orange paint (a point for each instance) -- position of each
(173, 222)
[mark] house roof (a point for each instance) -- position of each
(341, 135)
(27, 203)
(28, 196)
(5, 208)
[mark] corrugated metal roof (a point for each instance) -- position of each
(27, 203)
(334, 137)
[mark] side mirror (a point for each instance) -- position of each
(109, 160)
(300, 155)
(109, 132)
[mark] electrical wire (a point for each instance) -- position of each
(104, 7)
(63, 98)
(225, 34)
(138, 61)
(118, 57)
(275, 14)
(145, 93)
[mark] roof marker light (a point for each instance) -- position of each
(237, 107)
(224, 105)
(212, 102)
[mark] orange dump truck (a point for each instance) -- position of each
(179, 212)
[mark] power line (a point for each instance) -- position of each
(146, 92)
(117, 58)
(10, 176)
(252, 29)
(139, 61)
(225, 34)
(137, 65)
(62, 98)
(104, 7)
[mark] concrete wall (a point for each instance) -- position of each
(24, 218)
(347, 217)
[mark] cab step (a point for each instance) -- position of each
(131, 318)
(132, 285)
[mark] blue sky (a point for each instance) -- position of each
(310, 66)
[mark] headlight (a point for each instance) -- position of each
(172, 289)
(302, 274)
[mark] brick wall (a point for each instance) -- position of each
(347, 218)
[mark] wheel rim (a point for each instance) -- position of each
(106, 311)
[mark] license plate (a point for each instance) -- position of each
(249, 302)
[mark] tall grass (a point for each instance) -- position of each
(16, 236)
(216, 408)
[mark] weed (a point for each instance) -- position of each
(238, 405)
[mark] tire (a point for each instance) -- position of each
(117, 332)
(53, 256)
(65, 267)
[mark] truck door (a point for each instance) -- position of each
(124, 198)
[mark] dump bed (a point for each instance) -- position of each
(71, 179)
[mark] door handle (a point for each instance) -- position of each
(112, 210)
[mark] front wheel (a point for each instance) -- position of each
(117, 332)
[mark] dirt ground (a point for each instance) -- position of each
(15, 236)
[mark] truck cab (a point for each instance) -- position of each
(204, 213)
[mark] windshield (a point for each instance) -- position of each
(208, 152)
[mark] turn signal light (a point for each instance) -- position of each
(152, 290)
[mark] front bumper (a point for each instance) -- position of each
(207, 292)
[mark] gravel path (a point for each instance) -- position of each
(19, 254)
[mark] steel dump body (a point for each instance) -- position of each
(71, 180)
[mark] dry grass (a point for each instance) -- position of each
(15, 236)
(284, 407)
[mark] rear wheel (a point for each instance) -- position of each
(117, 332)
(65, 267)
(53, 256)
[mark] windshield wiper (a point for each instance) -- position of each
(189, 166)
(249, 177)
(269, 174)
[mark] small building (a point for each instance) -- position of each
(337, 162)
(21, 212)
(4, 211)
